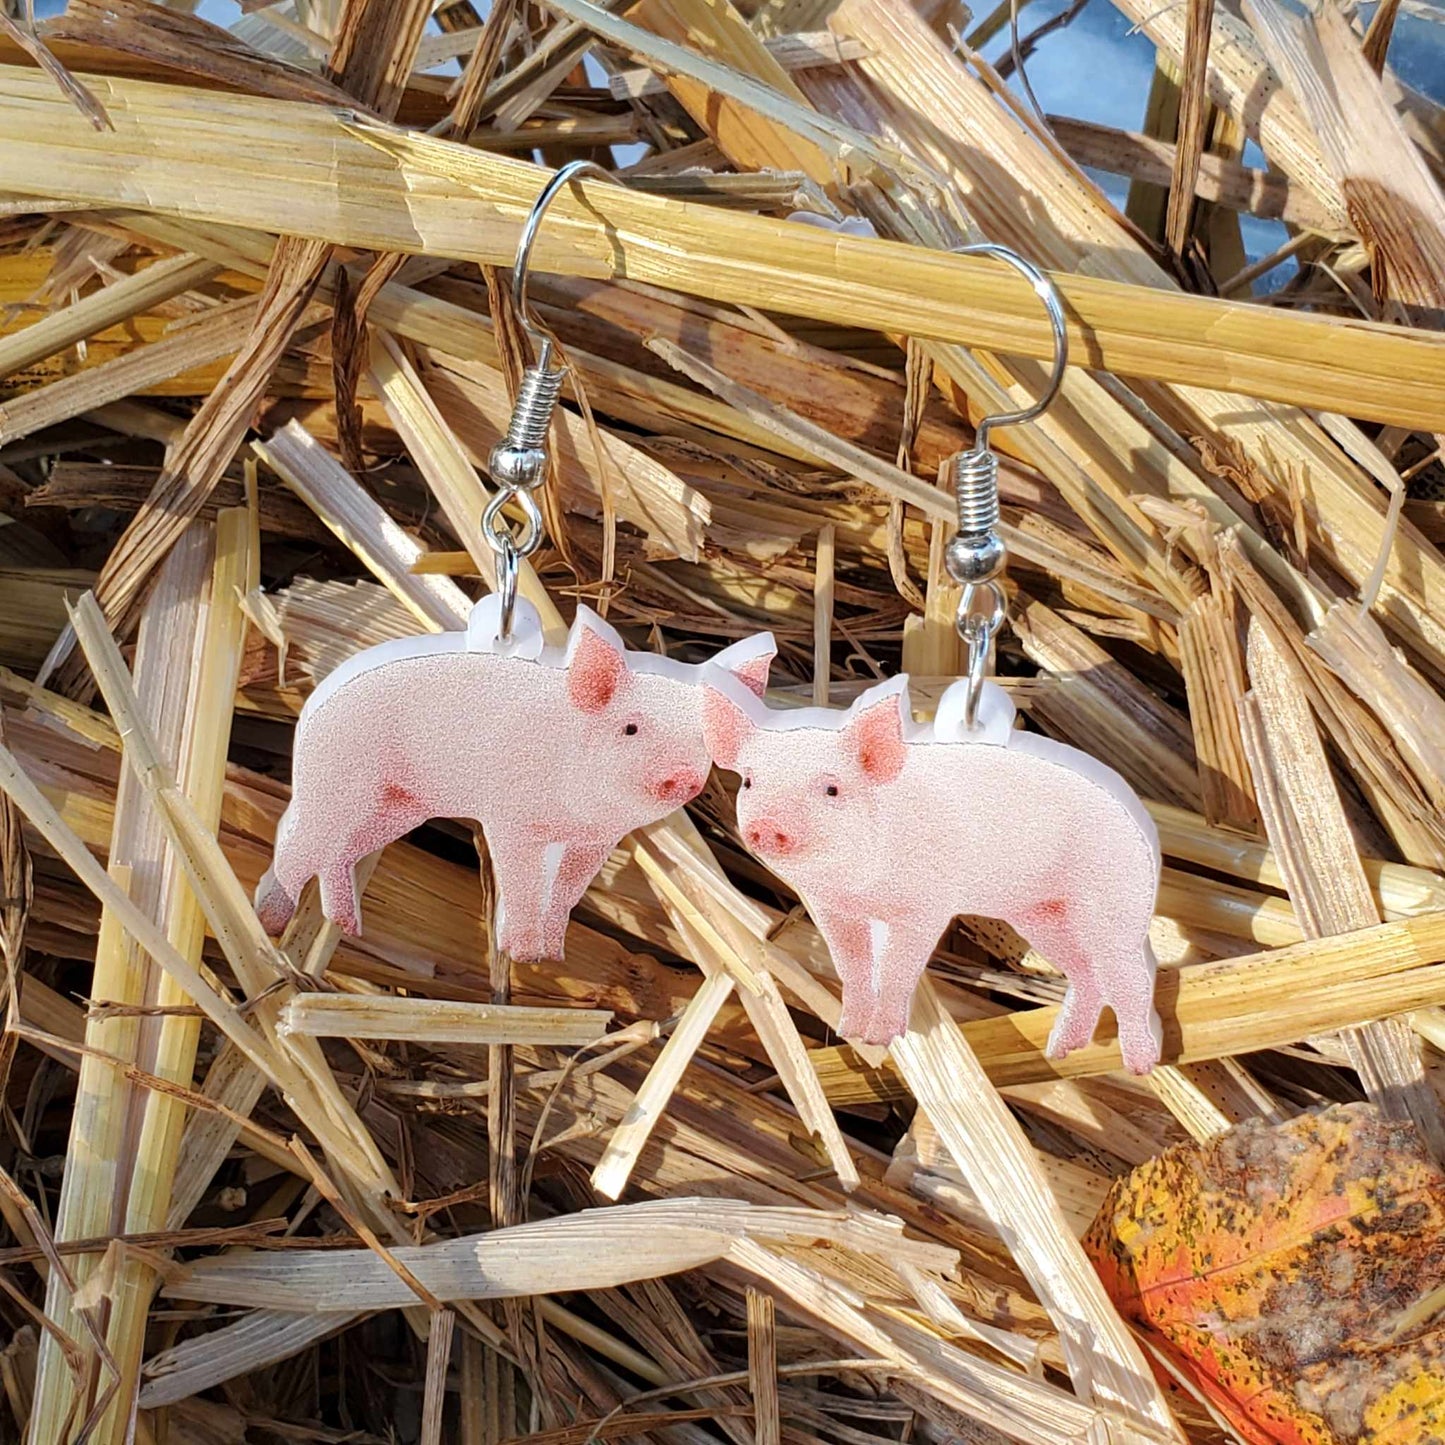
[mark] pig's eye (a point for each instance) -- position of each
(630, 731)
(748, 781)
(831, 790)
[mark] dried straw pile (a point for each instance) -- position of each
(252, 356)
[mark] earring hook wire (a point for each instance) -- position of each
(1048, 293)
(521, 265)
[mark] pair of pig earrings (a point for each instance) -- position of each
(885, 829)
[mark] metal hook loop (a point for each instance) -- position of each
(521, 264)
(978, 630)
(1048, 293)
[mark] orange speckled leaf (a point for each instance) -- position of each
(1294, 1273)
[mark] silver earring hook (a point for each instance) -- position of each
(1048, 293)
(519, 463)
(522, 264)
(975, 557)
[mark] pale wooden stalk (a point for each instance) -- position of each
(693, 870)
(630, 1137)
(171, 1054)
(477, 1405)
(1302, 813)
(93, 1177)
(1393, 199)
(989, 1147)
(823, 613)
(593, 1249)
(1369, 748)
(145, 367)
(258, 1339)
(800, 51)
(952, 1323)
(126, 1158)
(438, 1021)
(697, 926)
(1193, 122)
(763, 1369)
(362, 524)
(157, 153)
(922, 1165)
(107, 307)
(1400, 890)
(1357, 651)
(438, 1359)
(1025, 1410)
(1214, 680)
(931, 644)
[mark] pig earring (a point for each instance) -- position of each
(558, 752)
(887, 829)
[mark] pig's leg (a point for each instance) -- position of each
(903, 950)
(1113, 970)
(520, 866)
(850, 945)
(1048, 928)
(1129, 991)
(579, 864)
(391, 811)
(339, 900)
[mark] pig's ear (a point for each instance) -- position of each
(749, 661)
(875, 737)
(725, 727)
(595, 664)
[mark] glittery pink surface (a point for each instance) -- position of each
(557, 753)
(887, 829)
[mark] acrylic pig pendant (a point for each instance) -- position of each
(886, 830)
(558, 753)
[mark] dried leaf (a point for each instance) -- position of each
(1292, 1272)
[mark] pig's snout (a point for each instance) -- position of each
(678, 788)
(768, 838)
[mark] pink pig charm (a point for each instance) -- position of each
(886, 830)
(558, 753)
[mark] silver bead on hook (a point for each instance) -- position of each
(976, 554)
(519, 463)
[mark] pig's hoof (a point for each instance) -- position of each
(554, 940)
(274, 906)
(1066, 1036)
(1143, 1050)
(886, 1028)
(876, 1029)
(274, 920)
(526, 945)
(348, 921)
